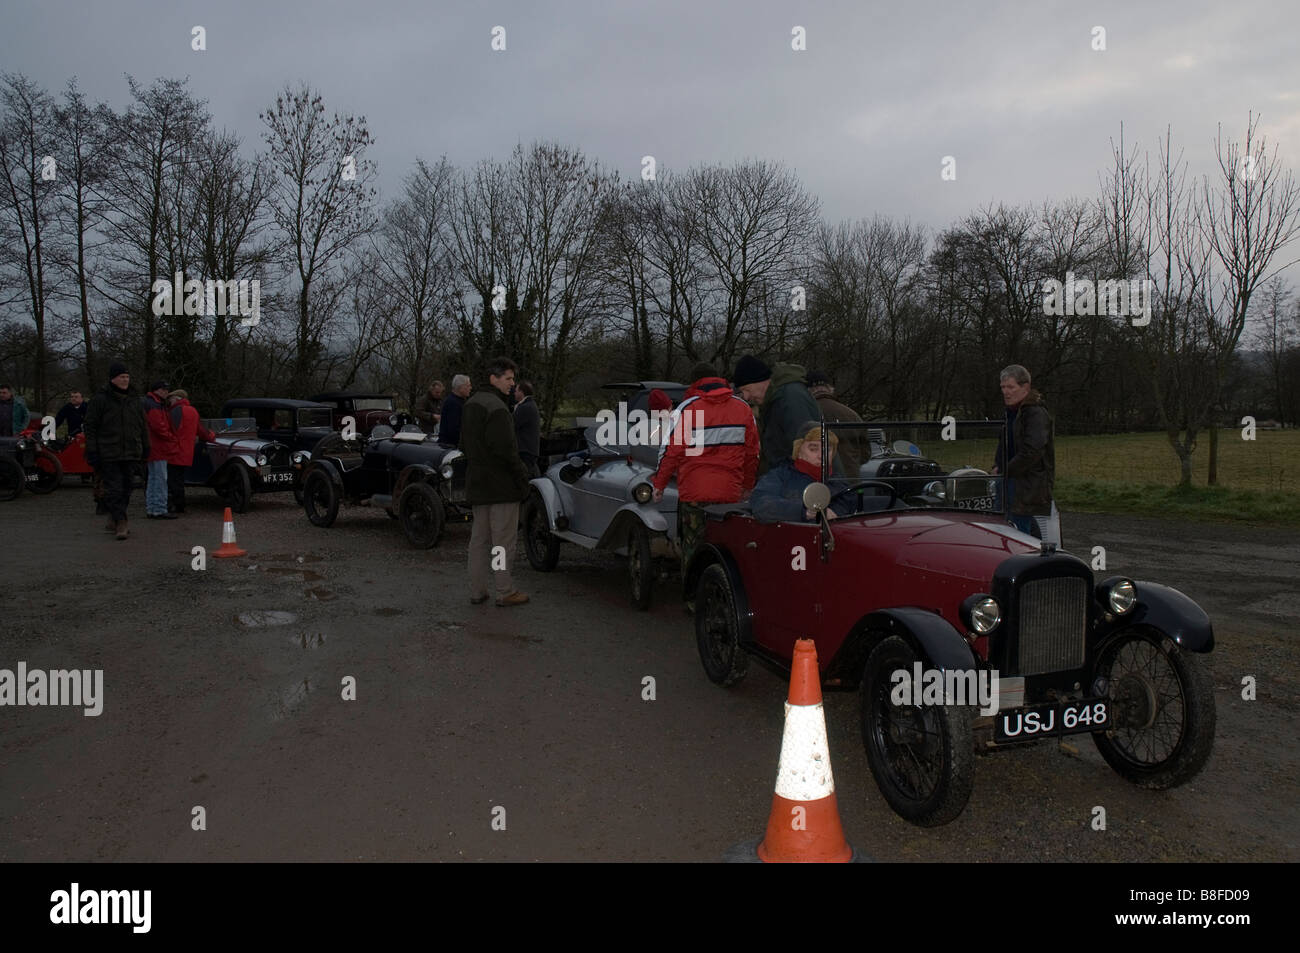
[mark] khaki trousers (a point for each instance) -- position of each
(495, 524)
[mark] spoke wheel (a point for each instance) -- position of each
(320, 498)
(922, 756)
(48, 473)
(421, 512)
(717, 628)
(640, 566)
(1161, 709)
(541, 547)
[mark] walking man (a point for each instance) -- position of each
(117, 441)
(495, 484)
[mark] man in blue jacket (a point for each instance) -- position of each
(778, 496)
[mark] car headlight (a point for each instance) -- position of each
(22, 444)
(1121, 596)
(446, 471)
(981, 613)
(261, 459)
(935, 489)
(393, 421)
(299, 458)
(643, 492)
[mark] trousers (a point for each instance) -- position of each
(495, 525)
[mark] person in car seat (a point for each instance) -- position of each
(778, 496)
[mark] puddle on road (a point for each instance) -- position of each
(293, 558)
(290, 574)
(290, 699)
(320, 592)
(309, 641)
(262, 618)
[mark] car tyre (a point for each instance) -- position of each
(640, 566)
(238, 488)
(421, 512)
(320, 499)
(922, 757)
(540, 545)
(49, 473)
(12, 478)
(1161, 709)
(717, 628)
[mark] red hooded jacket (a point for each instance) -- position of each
(185, 425)
(712, 446)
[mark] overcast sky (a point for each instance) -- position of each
(864, 115)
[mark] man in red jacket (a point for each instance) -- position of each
(712, 448)
(161, 441)
(186, 426)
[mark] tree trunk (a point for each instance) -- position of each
(1213, 477)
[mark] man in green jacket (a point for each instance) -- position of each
(117, 443)
(495, 484)
(784, 404)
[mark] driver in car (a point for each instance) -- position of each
(778, 495)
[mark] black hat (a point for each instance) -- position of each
(817, 377)
(702, 370)
(750, 370)
(160, 384)
(116, 368)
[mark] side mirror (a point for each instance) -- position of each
(816, 497)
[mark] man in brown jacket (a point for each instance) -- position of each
(495, 484)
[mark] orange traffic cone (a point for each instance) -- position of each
(804, 824)
(228, 547)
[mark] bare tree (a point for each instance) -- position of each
(26, 133)
(1249, 215)
(1275, 336)
(321, 198)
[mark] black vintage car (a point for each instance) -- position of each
(298, 424)
(367, 410)
(239, 463)
(408, 473)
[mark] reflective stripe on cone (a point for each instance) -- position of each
(228, 547)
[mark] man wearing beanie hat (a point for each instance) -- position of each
(117, 442)
(162, 443)
(783, 404)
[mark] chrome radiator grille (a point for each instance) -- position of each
(1053, 616)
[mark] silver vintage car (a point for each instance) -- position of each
(599, 497)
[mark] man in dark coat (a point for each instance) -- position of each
(783, 404)
(73, 413)
(117, 443)
(495, 484)
(528, 427)
(1027, 456)
(452, 408)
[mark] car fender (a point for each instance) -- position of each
(328, 467)
(940, 645)
(416, 473)
(550, 498)
(616, 532)
(704, 557)
(1168, 610)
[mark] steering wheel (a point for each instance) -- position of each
(893, 493)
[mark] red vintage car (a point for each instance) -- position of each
(960, 633)
(54, 458)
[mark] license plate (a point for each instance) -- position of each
(33, 477)
(278, 478)
(986, 503)
(1045, 721)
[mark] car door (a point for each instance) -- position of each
(783, 571)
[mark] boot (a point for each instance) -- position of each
(122, 531)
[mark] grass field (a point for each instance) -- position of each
(1259, 480)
